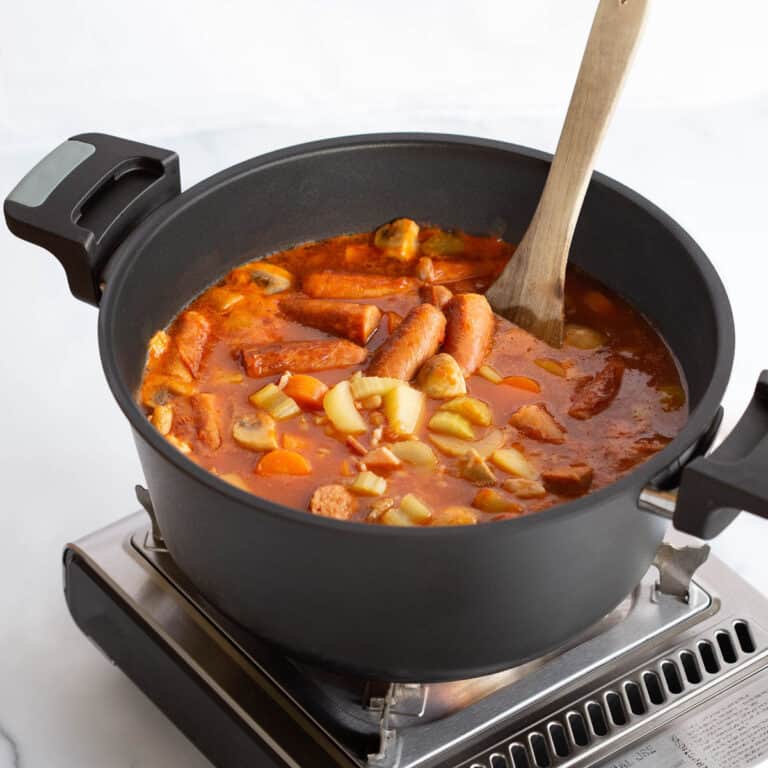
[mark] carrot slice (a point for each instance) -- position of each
(307, 391)
(522, 382)
(283, 462)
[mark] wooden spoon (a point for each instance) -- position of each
(529, 291)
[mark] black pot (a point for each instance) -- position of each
(426, 604)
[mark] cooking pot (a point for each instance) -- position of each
(394, 603)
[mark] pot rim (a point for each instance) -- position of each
(118, 273)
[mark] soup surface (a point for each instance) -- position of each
(365, 378)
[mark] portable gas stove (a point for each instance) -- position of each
(676, 676)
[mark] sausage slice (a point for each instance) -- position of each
(415, 340)
(333, 501)
(595, 393)
(468, 331)
(301, 357)
(355, 322)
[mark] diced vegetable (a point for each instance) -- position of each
(222, 299)
(522, 382)
(372, 402)
(283, 462)
(228, 377)
(381, 458)
(275, 402)
(339, 405)
(535, 421)
(256, 432)
(524, 488)
(456, 515)
(414, 452)
(396, 517)
(271, 278)
(551, 366)
(367, 386)
(493, 502)
(474, 468)
(490, 374)
(581, 337)
(158, 344)
(415, 508)
(234, 479)
(368, 484)
(442, 244)
(162, 418)
(511, 461)
(306, 390)
(333, 501)
(452, 446)
(447, 423)
(472, 409)
(403, 407)
(399, 239)
(440, 377)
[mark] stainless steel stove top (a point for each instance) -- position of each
(663, 681)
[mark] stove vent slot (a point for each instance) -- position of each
(690, 667)
(708, 657)
(653, 688)
(634, 695)
(578, 729)
(539, 750)
(597, 719)
(519, 755)
(563, 736)
(744, 636)
(672, 676)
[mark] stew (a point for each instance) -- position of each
(366, 378)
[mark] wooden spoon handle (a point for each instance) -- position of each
(607, 57)
(542, 254)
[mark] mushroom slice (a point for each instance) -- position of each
(256, 432)
(399, 239)
(271, 278)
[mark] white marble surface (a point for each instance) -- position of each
(223, 86)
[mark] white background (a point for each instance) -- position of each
(223, 81)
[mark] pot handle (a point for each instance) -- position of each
(713, 489)
(80, 201)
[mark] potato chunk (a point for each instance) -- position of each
(403, 407)
(453, 424)
(256, 432)
(493, 502)
(537, 422)
(340, 408)
(512, 461)
(441, 378)
(399, 239)
(473, 410)
(524, 488)
(474, 468)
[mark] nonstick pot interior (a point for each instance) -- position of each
(353, 185)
